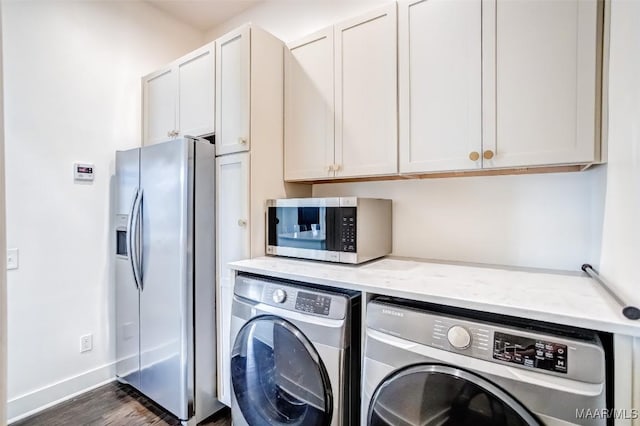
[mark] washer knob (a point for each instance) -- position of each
(459, 337)
(279, 296)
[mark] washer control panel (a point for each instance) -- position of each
(313, 303)
(309, 301)
(530, 352)
(279, 295)
(459, 337)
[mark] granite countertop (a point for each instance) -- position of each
(570, 298)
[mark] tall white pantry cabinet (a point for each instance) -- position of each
(249, 166)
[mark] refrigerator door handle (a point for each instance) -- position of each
(136, 256)
(140, 235)
(130, 236)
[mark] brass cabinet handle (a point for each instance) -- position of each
(337, 167)
(488, 154)
(242, 141)
(474, 156)
(242, 222)
(330, 168)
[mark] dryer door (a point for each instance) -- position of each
(441, 395)
(278, 377)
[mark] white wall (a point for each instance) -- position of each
(3, 272)
(549, 221)
(291, 19)
(541, 221)
(72, 93)
(621, 232)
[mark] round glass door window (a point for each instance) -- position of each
(278, 377)
(430, 395)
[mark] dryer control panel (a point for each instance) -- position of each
(519, 347)
(530, 352)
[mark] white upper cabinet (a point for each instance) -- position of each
(366, 127)
(440, 81)
(341, 113)
(233, 91)
(541, 64)
(159, 106)
(498, 84)
(480, 84)
(196, 92)
(309, 112)
(178, 100)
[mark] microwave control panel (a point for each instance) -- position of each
(348, 229)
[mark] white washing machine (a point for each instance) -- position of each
(295, 356)
(430, 365)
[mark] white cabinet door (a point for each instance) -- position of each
(196, 81)
(440, 81)
(366, 140)
(159, 106)
(309, 112)
(233, 53)
(224, 342)
(232, 229)
(544, 69)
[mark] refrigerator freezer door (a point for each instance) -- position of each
(166, 299)
(127, 296)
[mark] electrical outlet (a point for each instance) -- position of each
(86, 343)
(12, 258)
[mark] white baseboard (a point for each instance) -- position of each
(32, 402)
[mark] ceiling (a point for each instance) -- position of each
(203, 14)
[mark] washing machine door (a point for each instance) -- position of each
(278, 377)
(441, 395)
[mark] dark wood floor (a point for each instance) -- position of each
(112, 404)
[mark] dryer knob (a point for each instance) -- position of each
(459, 337)
(279, 296)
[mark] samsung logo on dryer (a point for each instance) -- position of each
(392, 313)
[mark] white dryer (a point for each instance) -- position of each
(295, 356)
(431, 365)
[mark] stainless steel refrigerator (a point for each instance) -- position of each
(165, 275)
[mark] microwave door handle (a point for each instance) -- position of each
(135, 240)
(130, 237)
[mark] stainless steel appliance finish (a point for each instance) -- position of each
(344, 229)
(427, 367)
(296, 354)
(165, 275)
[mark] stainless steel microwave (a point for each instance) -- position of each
(344, 229)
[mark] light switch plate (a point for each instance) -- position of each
(12, 258)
